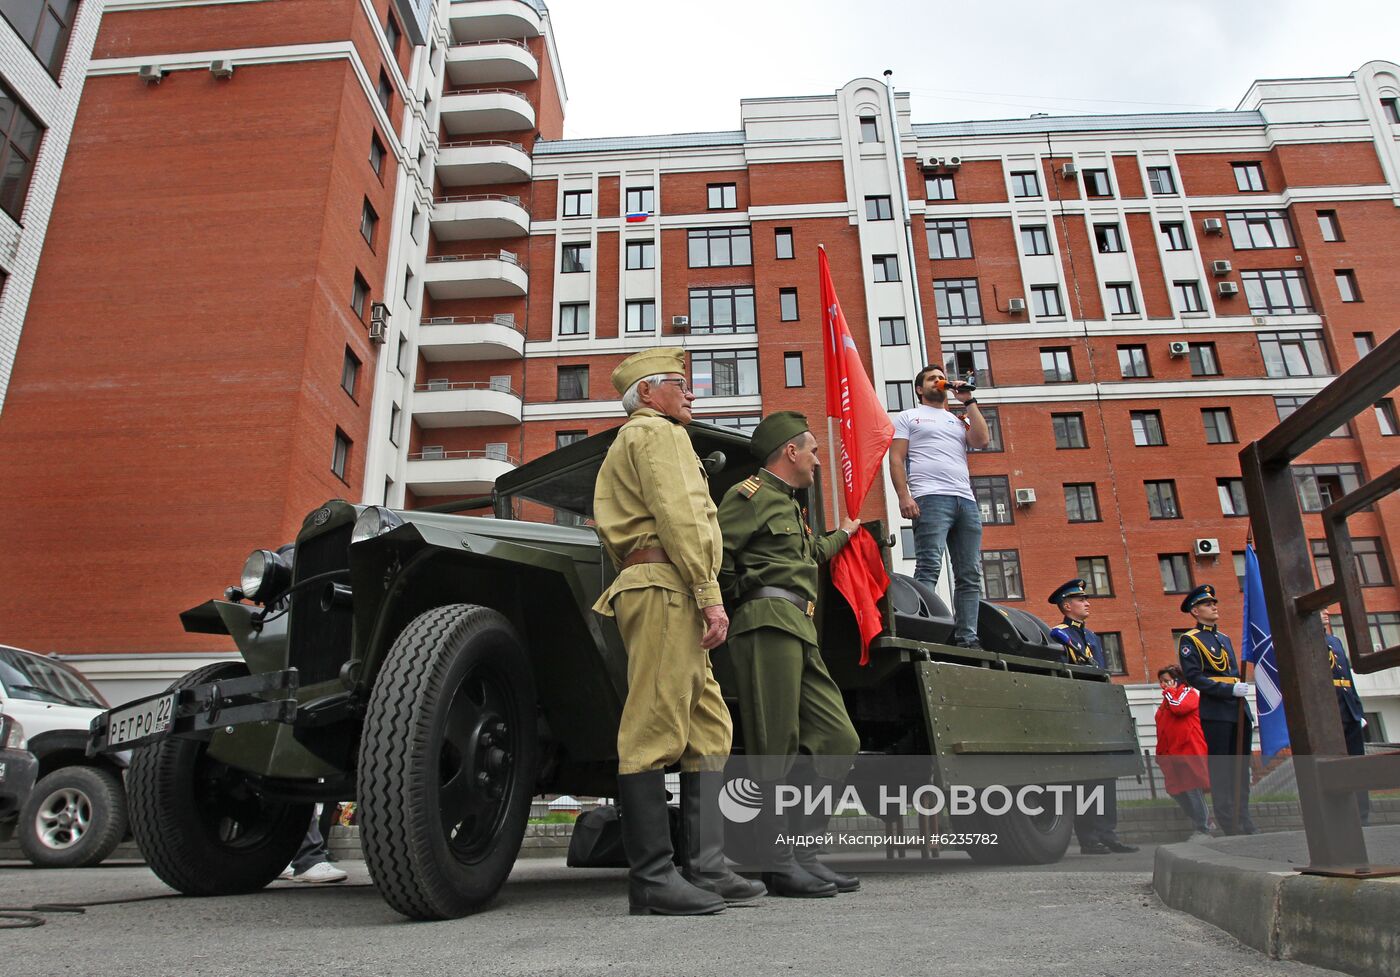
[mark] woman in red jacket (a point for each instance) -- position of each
(1181, 748)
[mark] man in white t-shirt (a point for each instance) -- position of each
(928, 465)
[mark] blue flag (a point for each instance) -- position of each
(1258, 648)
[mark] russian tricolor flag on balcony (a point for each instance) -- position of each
(638, 217)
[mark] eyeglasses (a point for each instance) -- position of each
(685, 387)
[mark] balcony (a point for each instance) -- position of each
(456, 473)
(479, 20)
(491, 62)
(473, 216)
(474, 276)
(486, 110)
(443, 339)
(476, 162)
(469, 403)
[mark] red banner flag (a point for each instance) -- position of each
(866, 431)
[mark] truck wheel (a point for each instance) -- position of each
(447, 762)
(73, 818)
(1034, 839)
(202, 827)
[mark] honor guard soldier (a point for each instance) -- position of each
(1208, 663)
(788, 702)
(1097, 833)
(1349, 704)
(657, 522)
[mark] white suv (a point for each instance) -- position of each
(76, 813)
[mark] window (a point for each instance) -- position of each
(1056, 365)
(782, 242)
(1203, 360)
(1096, 183)
(721, 247)
(408, 294)
(1365, 342)
(43, 26)
(1161, 500)
(1239, 568)
(1385, 628)
(993, 494)
(1294, 354)
(957, 302)
(1287, 405)
(1108, 238)
(1121, 300)
(641, 200)
(1346, 285)
(724, 373)
(960, 359)
(1159, 178)
(906, 541)
(899, 395)
(359, 295)
(893, 331)
(573, 319)
(722, 310)
(392, 35)
(1045, 301)
(878, 209)
(1147, 428)
(641, 316)
(1386, 417)
(722, 196)
(869, 129)
(792, 369)
(562, 439)
(1175, 234)
(1220, 428)
(385, 90)
(572, 383)
(1093, 570)
(20, 134)
(1231, 492)
(640, 255)
(340, 454)
(1320, 485)
(787, 304)
(395, 422)
(1188, 296)
(1001, 575)
(377, 153)
(993, 418)
(1176, 572)
(1132, 362)
(1390, 111)
(886, 267)
(401, 364)
(744, 423)
(1249, 177)
(1082, 502)
(939, 188)
(1035, 239)
(949, 239)
(576, 258)
(1371, 568)
(1328, 224)
(1256, 229)
(349, 372)
(1025, 183)
(415, 225)
(1113, 659)
(1069, 430)
(578, 203)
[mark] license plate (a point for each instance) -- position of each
(141, 720)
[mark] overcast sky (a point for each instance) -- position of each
(648, 66)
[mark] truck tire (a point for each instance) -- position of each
(447, 762)
(1034, 839)
(203, 829)
(74, 818)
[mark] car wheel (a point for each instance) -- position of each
(202, 827)
(73, 818)
(447, 762)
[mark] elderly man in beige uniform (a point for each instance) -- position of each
(656, 520)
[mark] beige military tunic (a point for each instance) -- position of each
(652, 492)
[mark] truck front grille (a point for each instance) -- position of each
(320, 639)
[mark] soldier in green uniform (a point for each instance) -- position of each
(787, 700)
(657, 522)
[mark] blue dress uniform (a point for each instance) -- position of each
(1349, 703)
(1209, 664)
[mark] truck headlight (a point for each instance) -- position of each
(265, 574)
(374, 521)
(11, 734)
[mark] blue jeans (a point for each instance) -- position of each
(955, 523)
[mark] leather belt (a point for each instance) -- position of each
(797, 600)
(652, 554)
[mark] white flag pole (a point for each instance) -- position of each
(832, 428)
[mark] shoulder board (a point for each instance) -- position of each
(749, 486)
(1194, 631)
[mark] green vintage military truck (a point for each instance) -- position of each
(441, 669)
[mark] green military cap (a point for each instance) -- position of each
(647, 363)
(776, 430)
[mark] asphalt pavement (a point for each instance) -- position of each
(1085, 916)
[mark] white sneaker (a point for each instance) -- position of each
(1199, 836)
(287, 873)
(321, 872)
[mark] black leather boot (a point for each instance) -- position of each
(784, 876)
(703, 827)
(653, 884)
(815, 824)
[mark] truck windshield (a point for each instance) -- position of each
(26, 676)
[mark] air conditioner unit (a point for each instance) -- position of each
(680, 322)
(221, 68)
(151, 74)
(1016, 305)
(1220, 267)
(378, 312)
(1179, 349)
(1025, 496)
(1228, 288)
(433, 452)
(438, 384)
(1212, 225)
(379, 332)
(1069, 171)
(1207, 547)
